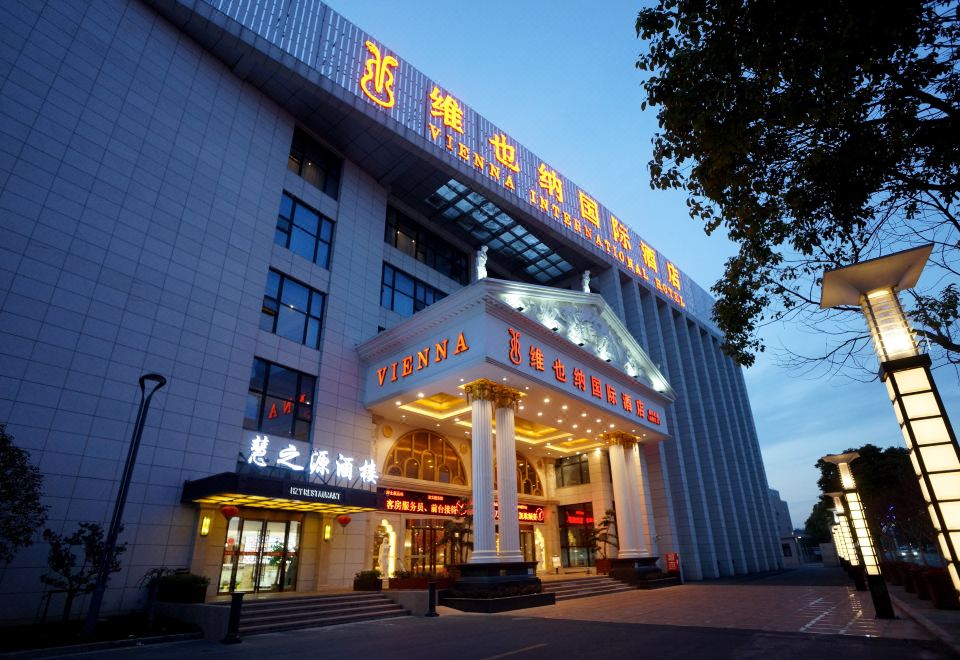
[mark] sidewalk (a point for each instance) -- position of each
(943, 625)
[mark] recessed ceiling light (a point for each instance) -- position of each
(456, 419)
(399, 403)
(559, 421)
(539, 414)
(420, 395)
(546, 400)
(527, 387)
(461, 380)
(522, 407)
(611, 426)
(583, 414)
(575, 425)
(563, 407)
(589, 430)
(504, 379)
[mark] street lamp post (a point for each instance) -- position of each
(863, 542)
(845, 533)
(926, 429)
(155, 382)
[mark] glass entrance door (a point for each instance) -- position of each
(427, 549)
(260, 555)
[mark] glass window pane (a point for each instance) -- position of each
(403, 283)
(316, 304)
(307, 385)
(323, 255)
(277, 416)
(312, 173)
(313, 333)
(386, 297)
(295, 294)
(258, 374)
(251, 412)
(303, 243)
(273, 283)
(286, 204)
(402, 304)
(267, 319)
(290, 325)
(283, 382)
(306, 218)
(326, 230)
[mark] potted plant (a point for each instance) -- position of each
(602, 538)
(182, 587)
(367, 581)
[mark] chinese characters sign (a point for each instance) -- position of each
(495, 156)
(263, 451)
(433, 504)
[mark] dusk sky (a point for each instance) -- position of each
(559, 77)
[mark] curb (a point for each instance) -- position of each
(938, 633)
(73, 649)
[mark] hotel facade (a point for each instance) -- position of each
(375, 310)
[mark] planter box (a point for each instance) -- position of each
(364, 585)
(492, 605)
(941, 591)
(603, 566)
(657, 583)
(180, 594)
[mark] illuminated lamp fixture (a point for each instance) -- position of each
(863, 542)
(926, 429)
(229, 511)
(846, 548)
(327, 532)
(344, 520)
(205, 526)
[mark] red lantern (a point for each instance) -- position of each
(343, 520)
(229, 511)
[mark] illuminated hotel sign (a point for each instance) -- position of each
(533, 357)
(409, 364)
(494, 155)
(434, 505)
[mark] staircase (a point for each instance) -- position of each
(274, 614)
(584, 587)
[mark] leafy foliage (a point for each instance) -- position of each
(458, 532)
(21, 512)
(78, 575)
(818, 135)
(818, 525)
(604, 535)
(890, 494)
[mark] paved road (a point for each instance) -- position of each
(810, 613)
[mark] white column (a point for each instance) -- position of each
(626, 534)
(640, 492)
(507, 477)
(484, 540)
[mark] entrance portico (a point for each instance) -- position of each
(548, 372)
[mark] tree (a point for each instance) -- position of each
(603, 535)
(818, 525)
(894, 507)
(818, 135)
(21, 489)
(65, 573)
(458, 532)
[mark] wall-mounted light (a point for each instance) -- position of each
(327, 531)
(205, 526)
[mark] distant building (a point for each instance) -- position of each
(788, 541)
(354, 284)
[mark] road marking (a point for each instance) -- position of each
(509, 653)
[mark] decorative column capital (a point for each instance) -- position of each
(619, 438)
(480, 390)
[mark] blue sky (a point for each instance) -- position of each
(559, 76)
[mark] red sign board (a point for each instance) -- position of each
(673, 563)
(432, 504)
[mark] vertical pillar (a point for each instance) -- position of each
(626, 521)
(506, 400)
(484, 540)
(639, 491)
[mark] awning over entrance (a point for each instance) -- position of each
(274, 493)
(581, 374)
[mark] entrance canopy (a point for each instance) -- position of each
(262, 492)
(580, 373)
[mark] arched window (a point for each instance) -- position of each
(425, 455)
(528, 481)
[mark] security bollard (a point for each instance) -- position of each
(233, 626)
(432, 599)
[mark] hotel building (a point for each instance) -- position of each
(376, 312)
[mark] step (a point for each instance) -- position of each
(329, 621)
(577, 584)
(258, 617)
(326, 598)
(589, 594)
(309, 607)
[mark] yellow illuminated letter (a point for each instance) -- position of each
(446, 107)
(589, 209)
(649, 256)
(673, 276)
(378, 77)
(504, 152)
(620, 232)
(550, 181)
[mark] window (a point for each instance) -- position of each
(426, 247)
(787, 552)
(528, 481)
(304, 231)
(572, 471)
(280, 401)
(425, 455)
(292, 310)
(315, 163)
(405, 294)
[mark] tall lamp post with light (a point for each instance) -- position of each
(845, 534)
(863, 542)
(149, 384)
(873, 285)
